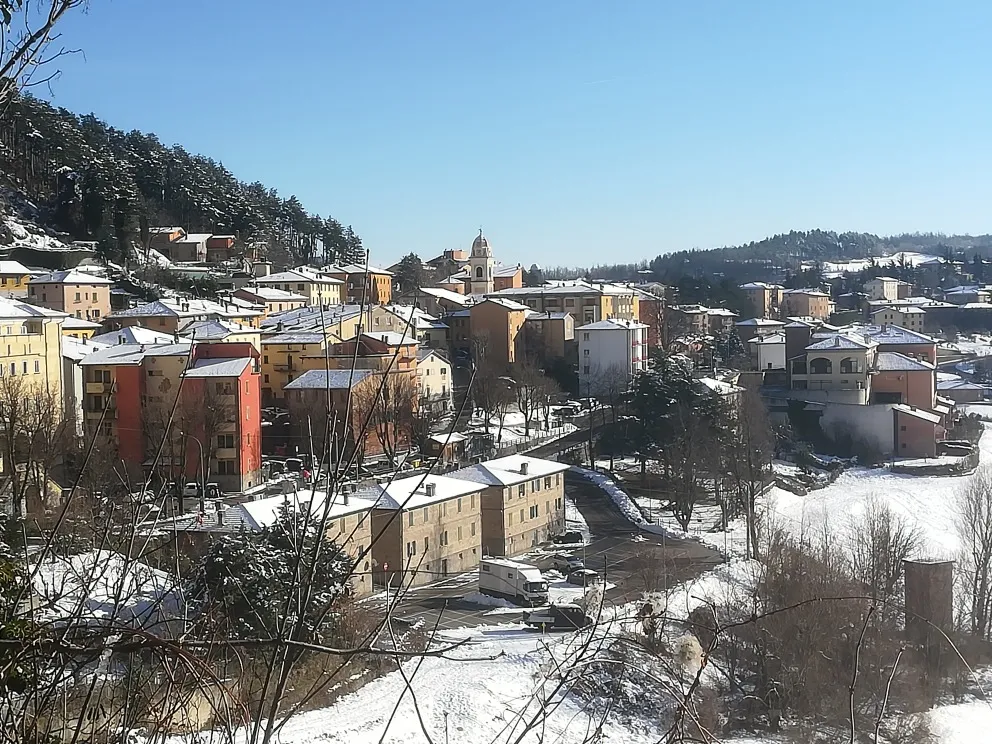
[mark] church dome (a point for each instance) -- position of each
(480, 243)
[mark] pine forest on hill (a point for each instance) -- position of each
(98, 183)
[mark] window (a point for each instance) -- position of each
(547, 507)
(471, 501)
(443, 538)
(444, 508)
(902, 428)
(427, 543)
(547, 482)
(459, 505)
(225, 441)
(521, 515)
(478, 272)
(410, 519)
(427, 513)
(411, 548)
(459, 533)
(444, 371)
(77, 296)
(265, 377)
(569, 302)
(585, 352)
(522, 490)
(471, 530)
(820, 366)
(533, 512)
(585, 369)
(299, 287)
(265, 359)
(24, 368)
(585, 336)
(37, 366)
(227, 467)
(535, 485)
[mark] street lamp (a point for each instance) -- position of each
(203, 473)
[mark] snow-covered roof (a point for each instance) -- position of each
(778, 337)
(103, 587)
(720, 311)
(809, 291)
(612, 324)
(908, 310)
(257, 515)
(507, 471)
(77, 348)
(418, 491)
(764, 322)
(391, 338)
(13, 309)
(838, 341)
(506, 270)
(508, 304)
(424, 353)
(72, 323)
(194, 238)
(720, 387)
(70, 276)
(891, 361)
(204, 330)
(134, 335)
(133, 354)
(309, 317)
(761, 285)
(960, 385)
(448, 438)
(576, 287)
(893, 334)
(218, 367)
(295, 275)
(411, 314)
(355, 269)
(301, 337)
(166, 230)
(184, 308)
(440, 293)
(919, 413)
(15, 268)
(333, 379)
(271, 294)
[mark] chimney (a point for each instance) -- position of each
(430, 489)
(524, 467)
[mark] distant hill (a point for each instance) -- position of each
(81, 177)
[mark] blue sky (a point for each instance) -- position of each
(574, 132)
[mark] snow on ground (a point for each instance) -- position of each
(619, 497)
(574, 519)
(983, 410)
(963, 723)
(978, 345)
(24, 238)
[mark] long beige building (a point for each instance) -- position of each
(523, 502)
(424, 528)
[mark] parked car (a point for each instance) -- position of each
(191, 490)
(567, 538)
(558, 617)
(583, 577)
(566, 563)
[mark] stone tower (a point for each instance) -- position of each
(481, 265)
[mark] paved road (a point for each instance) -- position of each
(635, 562)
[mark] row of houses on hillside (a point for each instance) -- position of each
(414, 530)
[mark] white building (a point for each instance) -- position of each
(434, 379)
(885, 288)
(611, 343)
(768, 351)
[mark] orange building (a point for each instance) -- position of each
(363, 284)
(495, 328)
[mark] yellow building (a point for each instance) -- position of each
(523, 503)
(428, 527)
(14, 276)
(318, 288)
(78, 328)
(31, 343)
(222, 331)
(588, 302)
(272, 299)
(283, 361)
(336, 322)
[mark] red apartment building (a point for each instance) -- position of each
(130, 392)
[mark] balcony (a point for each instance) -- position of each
(98, 388)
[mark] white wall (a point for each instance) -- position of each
(600, 349)
(771, 356)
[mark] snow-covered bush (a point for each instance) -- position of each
(688, 653)
(652, 614)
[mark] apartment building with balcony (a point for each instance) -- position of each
(765, 298)
(363, 285)
(523, 502)
(588, 302)
(870, 382)
(608, 347)
(271, 299)
(427, 527)
(318, 287)
(131, 393)
(73, 292)
(31, 343)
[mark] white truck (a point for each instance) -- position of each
(520, 582)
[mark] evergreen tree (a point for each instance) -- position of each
(410, 273)
(246, 584)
